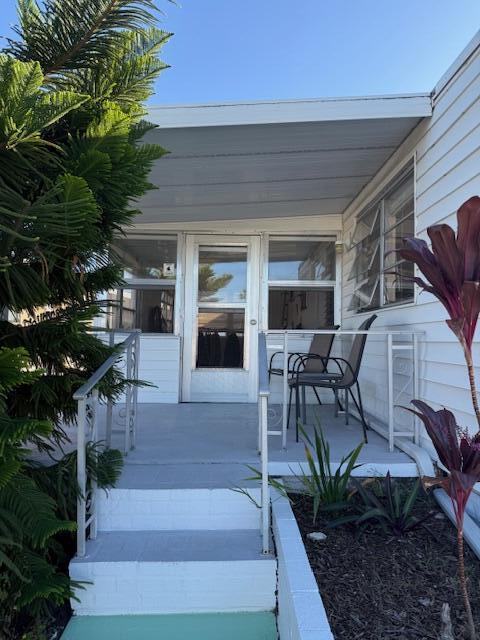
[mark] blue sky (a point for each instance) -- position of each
(272, 49)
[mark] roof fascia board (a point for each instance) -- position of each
(457, 64)
(289, 111)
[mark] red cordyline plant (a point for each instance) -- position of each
(452, 272)
(460, 455)
(451, 269)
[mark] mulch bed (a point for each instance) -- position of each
(376, 587)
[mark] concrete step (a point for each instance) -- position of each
(168, 509)
(157, 572)
(200, 475)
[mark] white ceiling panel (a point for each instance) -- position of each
(269, 170)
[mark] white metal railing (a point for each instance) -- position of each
(87, 429)
(263, 394)
(397, 341)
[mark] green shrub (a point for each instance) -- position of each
(327, 488)
(383, 504)
(28, 516)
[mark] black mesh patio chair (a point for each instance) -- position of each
(346, 378)
(321, 345)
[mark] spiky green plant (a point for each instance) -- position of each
(327, 487)
(385, 504)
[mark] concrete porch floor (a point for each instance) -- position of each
(210, 445)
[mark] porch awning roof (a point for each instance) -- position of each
(272, 159)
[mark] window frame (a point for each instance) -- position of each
(333, 285)
(173, 284)
(408, 172)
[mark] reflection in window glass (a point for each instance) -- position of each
(220, 340)
(151, 310)
(301, 260)
(399, 203)
(301, 308)
(367, 290)
(151, 258)
(394, 241)
(366, 256)
(222, 274)
(377, 237)
(398, 285)
(367, 223)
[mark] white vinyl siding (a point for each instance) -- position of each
(446, 150)
(159, 365)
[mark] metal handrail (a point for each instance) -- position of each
(97, 375)
(263, 395)
(87, 399)
(263, 383)
(346, 332)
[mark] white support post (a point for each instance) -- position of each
(93, 485)
(128, 401)
(285, 390)
(263, 417)
(416, 390)
(109, 418)
(136, 352)
(259, 404)
(81, 477)
(390, 391)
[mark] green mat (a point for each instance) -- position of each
(204, 626)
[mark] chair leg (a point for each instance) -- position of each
(346, 406)
(335, 393)
(339, 403)
(335, 396)
(364, 422)
(359, 406)
(318, 397)
(289, 407)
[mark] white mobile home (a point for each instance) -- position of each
(273, 223)
(283, 215)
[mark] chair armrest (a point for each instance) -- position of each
(297, 361)
(347, 364)
(290, 356)
(326, 360)
(272, 357)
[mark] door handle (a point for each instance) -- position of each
(253, 322)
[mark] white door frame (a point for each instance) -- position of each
(246, 388)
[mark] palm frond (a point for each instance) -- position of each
(25, 110)
(84, 31)
(126, 75)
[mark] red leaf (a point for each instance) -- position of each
(452, 268)
(470, 299)
(468, 237)
(442, 429)
(448, 256)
